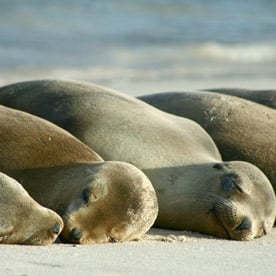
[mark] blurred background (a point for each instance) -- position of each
(140, 46)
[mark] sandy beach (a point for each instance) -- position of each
(161, 252)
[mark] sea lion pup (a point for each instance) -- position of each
(98, 201)
(196, 190)
(264, 97)
(242, 130)
(23, 220)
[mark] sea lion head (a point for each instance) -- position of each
(22, 219)
(117, 203)
(232, 200)
(245, 207)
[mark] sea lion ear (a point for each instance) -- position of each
(221, 166)
(218, 166)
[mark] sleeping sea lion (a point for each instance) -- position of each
(22, 219)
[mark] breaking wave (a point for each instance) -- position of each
(254, 53)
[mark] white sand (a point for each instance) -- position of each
(161, 252)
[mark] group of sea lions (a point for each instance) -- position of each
(92, 165)
(66, 176)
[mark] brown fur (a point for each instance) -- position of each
(264, 97)
(27, 141)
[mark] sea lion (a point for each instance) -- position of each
(264, 97)
(196, 190)
(23, 220)
(98, 201)
(242, 130)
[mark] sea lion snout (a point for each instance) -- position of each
(57, 228)
(75, 235)
(245, 225)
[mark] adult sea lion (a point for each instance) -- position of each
(196, 190)
(242, 130)
(23, 220)
(264, 97)
(98, 201)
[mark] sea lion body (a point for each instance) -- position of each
(242, 130)
(56, 168)
(264, 97)
(196, 190)
(23, 220)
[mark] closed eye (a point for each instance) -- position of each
(85, 194)
(231, 182)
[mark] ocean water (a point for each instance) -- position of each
(141, 45)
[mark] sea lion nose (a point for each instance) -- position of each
(75, 235)
(245, 225)
(56, 228)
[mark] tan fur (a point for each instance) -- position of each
(131, 203)
(30, 142)
(23, 220)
